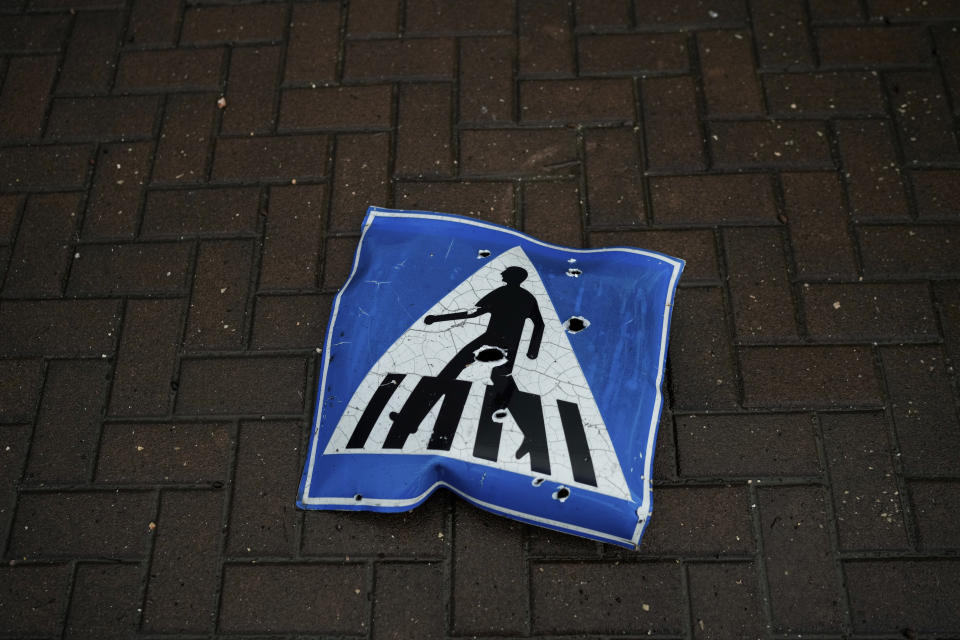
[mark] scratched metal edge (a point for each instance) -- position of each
(646, 507)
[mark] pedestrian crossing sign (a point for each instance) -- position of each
(523, 376)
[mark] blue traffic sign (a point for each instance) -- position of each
(523, 376)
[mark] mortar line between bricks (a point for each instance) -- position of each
(755, 55)
(763, 584)
(833, 140)
(582, 191)
(224, 524)
(793, 273)
(942, 76)
(446, 566)
(341, 62)
(393, 141)
(729, 320)
(217, 124)
(686, 601)
(454, 91)
(249, 304)
(320, 266)
(18, 217)
(370, 580)
(899, 154)
(832, 528)
(68, 597)
(151, 544)
(281, 69)
(61, 54)
(643, 151)
(181, 336)
(108, 394)
(700, 97)
(127, 11)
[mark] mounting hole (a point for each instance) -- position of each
(576, 324)
(561, 494)
(573, 272)
(483, 253)
(358, 497)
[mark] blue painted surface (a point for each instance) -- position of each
(405, 263)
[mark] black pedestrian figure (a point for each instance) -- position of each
(509, 307)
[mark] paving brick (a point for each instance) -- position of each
(867, 312)
(622, 598)
(803, 582)
(269, 598)
(163, 453)
(489, 594)
(352, 107)
(184, 142)
(910, 251)
(114, 204)
(554, 544)
(690, 13)
(10, 208)
(614, 182)
(934, 505)
(251, 90)
(593, 101)
(725, 601)
(218, 303)
(674, 140)
(426, 16)
(486, 79)
(551, 212)
(58, 327)
(26, 88)
(291, 322)
(824, 95)
(146, 361)
(927, 428)
(781, 32)
(947, 41)
(865, 496)
(184, 571)
(201, 212)
(822, 247)
(338, 261)
(730, 82)
(632, 54)
(491, 201)
(58, 166)
(816, 376)
(713, 199)
(102, 524)
(170, 70)
(695, 246)
(665, 454)
(409, 599)
(39, 261)
(14, 445)
(423, 131)
(701, 360)
(360, 177)
(19, 389)
(825, 11)
(747, 446)
(373, 18)
(293, 237)
(33, 599)
(897, 596)
(130, 268)
(103, 602)
(153, 22)
(767, 143)
(947, 295)
(937, 194)
(602, 15)
(106, 118)
(313, 44)
(520, 152)
(759, 284)
(870, 169)
(231, 24)
(64, 441)
(36, 32)
(263, 519)
(366, 534)
(419, 59)
(699, 521)
(545, 44)
(923, 117)
(90, 60)
(274, 159)
(872, 46)
(253, 386)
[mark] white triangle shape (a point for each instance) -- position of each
(555, 374)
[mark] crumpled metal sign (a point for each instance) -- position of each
(523, 376)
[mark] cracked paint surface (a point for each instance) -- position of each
(555, 374)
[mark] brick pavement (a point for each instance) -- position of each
(167, 268)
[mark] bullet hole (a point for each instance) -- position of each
(573, 272)
(489, 354)
(561, 494)
(576, 324)
(483, 253)
(537, 482)
(358, 497)
(500, 414)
